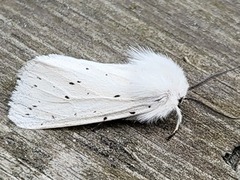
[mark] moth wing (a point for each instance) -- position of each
(58, 91)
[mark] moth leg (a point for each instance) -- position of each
(179, 121)
(97, 126)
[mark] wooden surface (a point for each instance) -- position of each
(206, 32)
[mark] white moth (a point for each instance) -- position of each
(58, 91)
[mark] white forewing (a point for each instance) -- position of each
(57, 91)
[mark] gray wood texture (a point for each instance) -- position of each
(207, 32)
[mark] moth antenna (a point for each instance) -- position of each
(179, 121)
(212, 109)
(210, 77)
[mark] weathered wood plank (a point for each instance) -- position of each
(207, 32)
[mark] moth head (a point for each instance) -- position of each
(180, 101)
(181, 90)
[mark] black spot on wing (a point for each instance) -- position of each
(132, 112)
(87, 68)
(117, 96)
(67, 97)
(78, 81)
(71, 83)
(105, 118)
